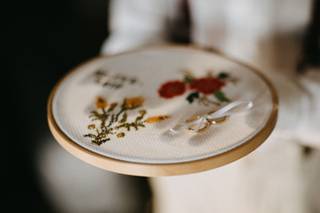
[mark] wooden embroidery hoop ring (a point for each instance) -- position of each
(156, 170)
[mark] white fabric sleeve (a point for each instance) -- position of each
(299, 107)
(135, 23)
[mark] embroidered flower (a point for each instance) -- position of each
(206, 90)
(171, 89)
(134, 102)
(101, 103)
(207, 85)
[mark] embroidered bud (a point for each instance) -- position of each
(91, 126)
(101, 103)
(120, 134)
(134, 102)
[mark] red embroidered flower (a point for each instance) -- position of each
(207, 85)
(171, 89)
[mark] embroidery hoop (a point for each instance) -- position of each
(155, 170)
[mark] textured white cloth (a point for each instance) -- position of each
(153, 144)
(267, 34)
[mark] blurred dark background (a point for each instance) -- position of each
(43, 40)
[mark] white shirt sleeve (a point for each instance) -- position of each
(310, 124)
(135, 23)
(299, 107)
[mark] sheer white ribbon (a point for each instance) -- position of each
(204, 121)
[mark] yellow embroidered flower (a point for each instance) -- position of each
(91, 126)
(112, 106)
(101, 103)
(155, 119)
(134, 102)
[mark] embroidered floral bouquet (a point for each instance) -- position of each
(201, 89)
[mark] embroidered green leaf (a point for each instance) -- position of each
(192, 96)
(221, 96)
(124, 118)
(141, 115)
(223, 75)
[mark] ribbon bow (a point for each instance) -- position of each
(200, 123)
